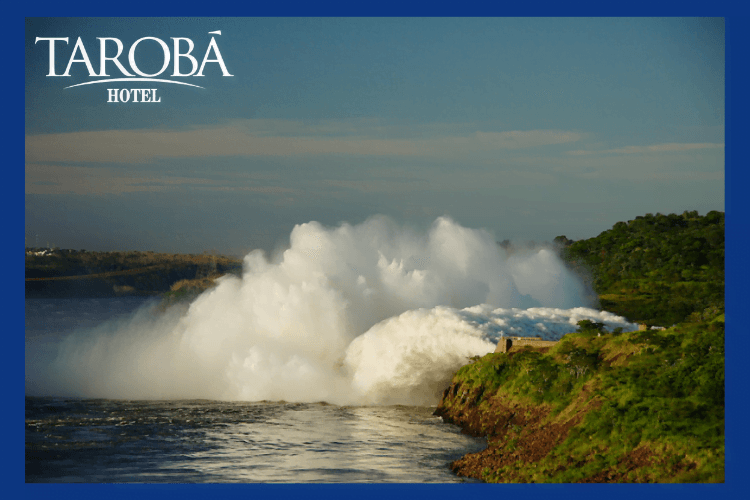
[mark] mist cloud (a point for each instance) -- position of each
(374, 313)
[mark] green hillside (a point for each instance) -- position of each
(645, 406)
(656, 269)
(629, 407)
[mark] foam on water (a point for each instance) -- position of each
(367, 314)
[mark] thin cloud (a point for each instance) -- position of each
(688, 176)
(526, 139)
(55, 179)
(656, 148)
(370, 186)
(276, 138)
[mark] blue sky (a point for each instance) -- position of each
(531, 128)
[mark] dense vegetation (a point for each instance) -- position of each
(656, 269)
(623, 407)
(645, 406)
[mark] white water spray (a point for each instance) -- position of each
(366, 314)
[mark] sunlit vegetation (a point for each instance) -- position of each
(655, 269)
(657, 395)
(643, 406)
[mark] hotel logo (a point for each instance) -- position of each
(177, 57)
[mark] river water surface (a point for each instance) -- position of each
(72, 439)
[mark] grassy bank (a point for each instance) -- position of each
(630, 407)
(643, 406)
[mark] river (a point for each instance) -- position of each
(94, 440)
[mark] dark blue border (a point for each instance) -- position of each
(737, 240)
(736, 254)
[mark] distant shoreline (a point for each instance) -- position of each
(54, 273)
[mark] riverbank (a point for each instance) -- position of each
(630, 407)
(80, 273)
